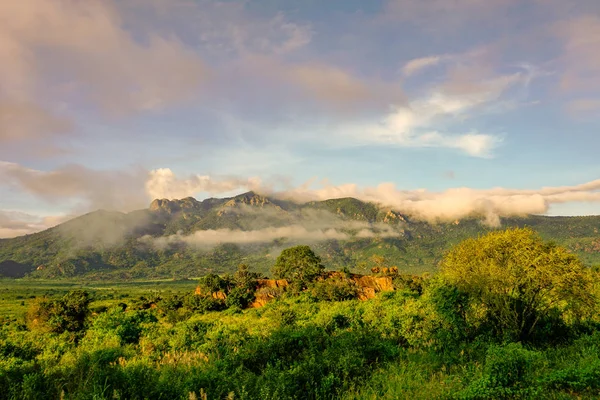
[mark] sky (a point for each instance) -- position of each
(441, 108)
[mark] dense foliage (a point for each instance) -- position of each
(298, 264)
(519, 281)
(443, 336)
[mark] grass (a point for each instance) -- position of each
(17, 294)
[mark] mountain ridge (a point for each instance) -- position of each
(216, 234)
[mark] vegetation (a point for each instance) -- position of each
(298, 264)
(67, 314)
(508, 316)
(520, 281)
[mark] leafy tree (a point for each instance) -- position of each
(66, 314)
(170, 303)
(239, 297)
(212, 283)
(244, 278)
(519, 280)
(298, 264)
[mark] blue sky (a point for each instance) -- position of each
(440, 108)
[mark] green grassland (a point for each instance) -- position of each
(16, 295)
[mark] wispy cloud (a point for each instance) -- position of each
(457, 203)
(428, 121)
(87, 188)
(299, 226)
(418, 64)
(15, 223)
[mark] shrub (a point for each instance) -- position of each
(239, 297)
(67, 314)
(506, 375)
(202, 304)
(520, 280)
(127, 326)
(334, 290)
(212, 283)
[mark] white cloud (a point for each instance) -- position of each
(421, 204)
(459, 202)
(418, 64)
(301, 226)
(210, 238)
(163, 183)
(16, 223)
(89, 189)
(428, 121)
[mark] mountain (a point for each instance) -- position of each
(187, 237)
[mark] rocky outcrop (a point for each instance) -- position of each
(249, 199)
(378, 283)
(385, 270)
(261, 299)
(392, 217)
(219, 295)
(368, 285)
(174, 206)
(269, 289)
(215, 295)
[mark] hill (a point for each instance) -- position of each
(187, 238)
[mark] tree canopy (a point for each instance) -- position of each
(518, 279)
(67, 314)
(298, 264)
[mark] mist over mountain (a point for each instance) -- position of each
(187, 238)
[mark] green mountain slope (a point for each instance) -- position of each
(190, 238)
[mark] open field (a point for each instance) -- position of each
(17, 294)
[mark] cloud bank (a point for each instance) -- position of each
(303, 226)
(115, 190)
(444, 206)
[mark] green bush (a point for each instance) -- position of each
(67, 314)
(127, 326)
(334, 290)
(239, 297)
(212, 283)
(506, 375)
(201, 304)
(520, 281)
